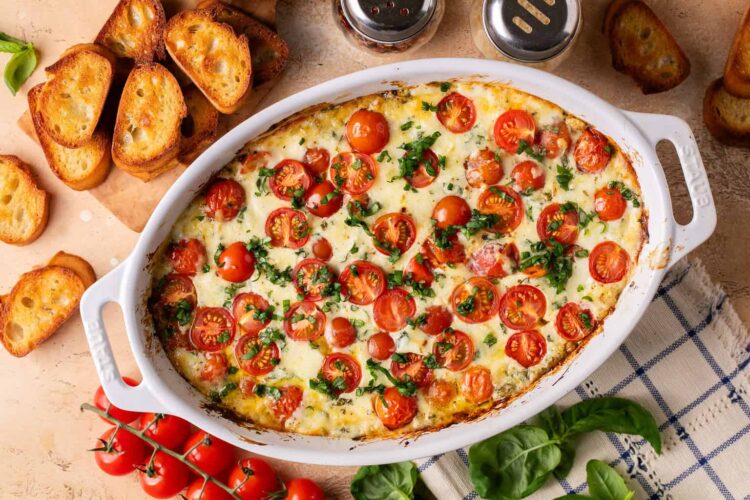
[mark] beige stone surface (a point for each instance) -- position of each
(44, 437)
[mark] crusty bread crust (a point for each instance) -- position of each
(727, 117)
(77, 264)
(199, 126)
(264, 12)
(737, 69)
(24, 206)
(134, 30)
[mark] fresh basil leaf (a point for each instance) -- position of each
(605, 483)
(551, 420)
(19, 68)
(11, 44)
(513, 464)
(574, 497)
(567, 459)
(385, 482)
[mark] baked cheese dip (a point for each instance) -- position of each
(398, 262)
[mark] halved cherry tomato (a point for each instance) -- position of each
(174, 289)
(362, 282)
(367, 131)
(213, 329)
(475, 300)
(394, 232)
(427, 170)
(127, 451)
(476, 384)
(322, 249)
(236, 263)
(381, 346)
(215, 367)
(494, 260)
(609, 204)
(311, 277)
(453, 254)
(287, 228)
(253, 479)
(436, 320)
(441, 392)
(224, 199)
(247, 387)
(451, 211)
(608, 262)
(555, 140)
(418, 270)
(392, 309)
(353, 173)
(512, 127)
(304, 321)
(256, 357)
(412, 365)
(574, 323)
(457, 113)
(250, 312)
(394, 409)
(505, 203)
(254, 161)
(535, 271)
(483, 167)
(592, 151)
(323, 199)
(289, 179)
(522, 307)
(301, 488)
(210, 453)
(342, 333)
(167, 430)
(527, 347)
(167, 477)
(344, 366)
(528, 176)
(555, 224)
(210, 491)
(187, 256)
(102, 402)
(287, 404)
(317, 160)
(453, 350)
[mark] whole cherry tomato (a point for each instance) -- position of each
(253, 479)
(101, 402)
(167, 430)
(303, 489)
(126, 451)
(209, 453)
(165, 478)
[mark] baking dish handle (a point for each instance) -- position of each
(675, 130)
(105, 290)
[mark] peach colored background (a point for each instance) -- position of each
(43, 437)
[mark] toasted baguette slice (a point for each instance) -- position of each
(737, 69)
(727, 117)
(77, 264)
(79, 168)
(24, 206)
(134, 30)
(40, 302)
(263, 11)
(199, 126)
(72, 100)
(147, 130)
(216, 60)
(643, 47)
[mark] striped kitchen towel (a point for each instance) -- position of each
(687, 362)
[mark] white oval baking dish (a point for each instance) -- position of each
(164, 390)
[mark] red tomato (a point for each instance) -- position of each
(437, 319)
(476, 384)
(287, 404)
(506, 204)
(528, 176)
(475, 300)
(287, 228)
(483, 167)
(394, 409)
(251, 311)
(236, 263)
(213, 329)
(427, 170)
(323, 199)
(215, 367)
(555, 140)
(381, 346)
(494, 260)
(304, 321)
(317, 160)
(224, 199)
(212, 455)
(437, 256)
(126, 452)
(253, 479)
(311, 277)
(394, 232)
(340, 365)
(457, 113)
(167, 430)
(367, 131)
(418, 270)
(247, 387)
(522, 307)
(441, 392)
(609, 204)
(102, 402)
(255, 161)
(362, 282)
(608, 262)
(187, 256)
(392, 310)
(592, 151)
(168, 477)
(527, 347)
(353, 173)
(451, 211)
(303, 489)
(322, 249)
(412, 365)
(453, 350)
(555, 224)
(289, 179)
(512, 127)
(256, 357)
(172, 293)
(574, 323)
(342, 334)
(197, 491)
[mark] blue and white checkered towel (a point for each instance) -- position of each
(687, 362)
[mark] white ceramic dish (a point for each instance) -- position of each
(164, 390)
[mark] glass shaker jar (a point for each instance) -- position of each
(387, 27)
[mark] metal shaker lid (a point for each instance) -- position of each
(388, 21)
(531, 30)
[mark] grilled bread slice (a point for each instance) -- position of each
(79, 168)
(727, 117)
(134, 30)
(199, 126)
(147, 130)
(77, 264)
(643, 47)
(737, 69)
(24, 207)
(40, 302)
(72, 99)
(212, 55)
(264, 12)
